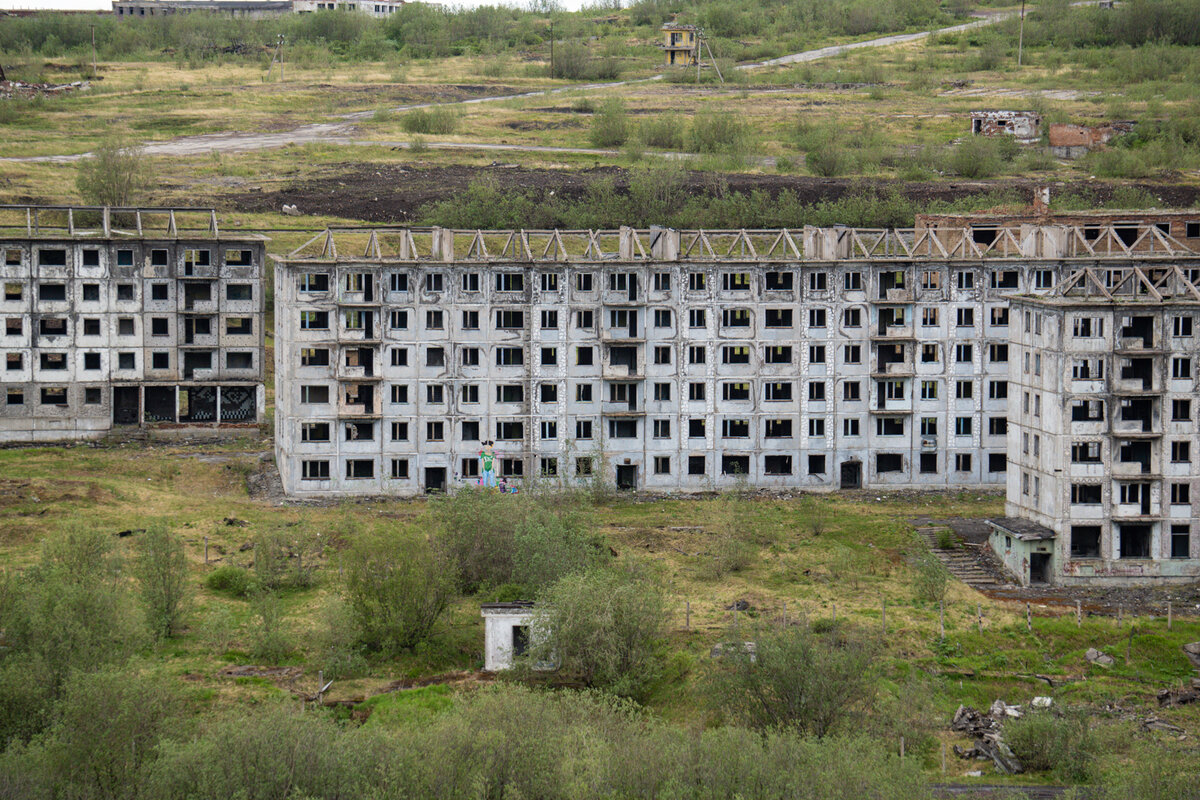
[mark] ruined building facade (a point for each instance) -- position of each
(127, 318)
(1104, 446)
(665, 360)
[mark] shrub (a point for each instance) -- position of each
(161, 569)
(665, 132)
(285, 560)
(397, 588)
(975, 157)
(530, 539)
(797, 680)
(931, 579)
(1048, 742)
(602, 628)
(341, 655)
(828, 161)
(269, 642)
(610, 127)
(117, 174)
(720, 132)
(232, 580)
(438, 119)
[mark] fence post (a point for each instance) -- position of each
(1028, 619)
(206, 550)
(943, 758)
(1078, 614)
(783, 624)
(835, 612)
(902, 747)
(979, 616)
(942, 622)
(1168, 615)
(687, 620)
(1120, 612)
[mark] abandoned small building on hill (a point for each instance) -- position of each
(681, 44)
(1025, 126)
(148, 317)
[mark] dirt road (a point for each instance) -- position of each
(342, 132)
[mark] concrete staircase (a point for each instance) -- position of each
(967, 562)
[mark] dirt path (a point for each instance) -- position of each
(342, 132)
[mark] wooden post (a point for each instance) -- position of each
(1078, 614)
(687, 619)
(941, 622)
(979, 616)
(735, 621)
(1120, 611)
(883, 617)
(205, 549)
(902, 747)
(1028, 619)
(1168, 615)
(943, 758)
(93, 51)
(783, 622)
(835, 612)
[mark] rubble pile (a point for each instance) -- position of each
(21, 89)
(986, 731)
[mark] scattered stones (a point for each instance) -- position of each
(290, 210)
(1094, 656)
(989, 740)
(234, 522)
(1042, 702)
(1171, 698)
(1153, 723)
(738, 605)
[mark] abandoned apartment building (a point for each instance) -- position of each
(147, 317)
(1104, 454)
(672, 360)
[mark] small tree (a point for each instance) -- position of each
(932, 579)
(797, 679)
(610, 127)
(397, 588)
(161, 569)
(602, 627)
(115, 175)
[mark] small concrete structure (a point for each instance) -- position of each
(1026, 126)
(681, 44)
(1026, 548)
(506, 633)
(1076, 141)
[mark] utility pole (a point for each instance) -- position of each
(1021, 35)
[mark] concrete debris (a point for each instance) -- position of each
(235, 522)
(13, 89)
(1000, 709)
(1192, 651)
(989, 740)
(722, 649)
(1153, 723)
(1094, 656)
(290, 210)
(1042, 702)
(1171, 698)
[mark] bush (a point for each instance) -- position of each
(828, 161)
(610, 127)
(161, 569)
(70, 612)
(530, 539)
(438, 119)
(117, 174)
(975, 157)
(397, 588)
(1048, 742)
(797, 680)
(286, 560)
(721, 133)
(602, 628)
(931, 579)
(269, 642)
(665, 132)
(232, 580)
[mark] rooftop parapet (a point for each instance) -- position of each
(105, 222)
